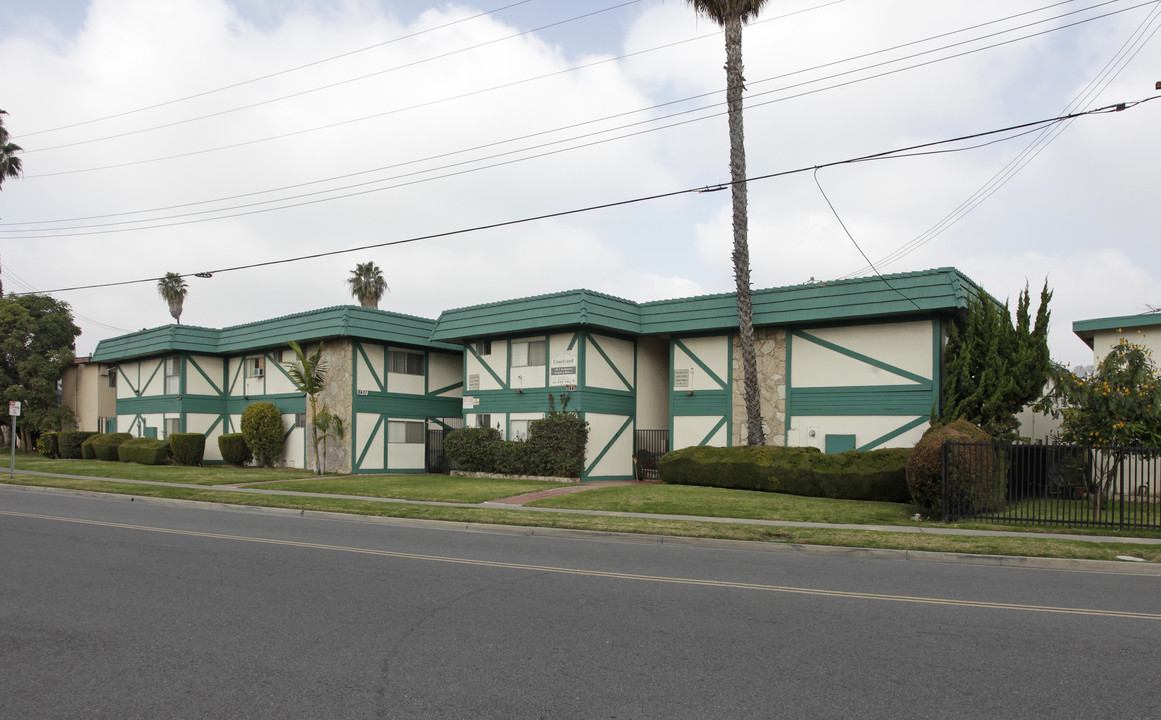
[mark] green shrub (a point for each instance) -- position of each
(262, 431)
(188, 448)
(556, 445)
(473, 449)
(234, 450)
(871, 475)
(48, 444)
(104, 446)
(70, 443)
(146, 451)
(925, 468)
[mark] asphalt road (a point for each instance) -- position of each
(118, 609)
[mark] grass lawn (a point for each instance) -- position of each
(210, 475)
(1032, 547)
(718, 502)
(437, 488)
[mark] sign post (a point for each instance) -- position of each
(14, 411)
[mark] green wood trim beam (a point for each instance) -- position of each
(269, 360)
(374, 375)
(720, 424)
(713, 375)
(608, 446)
(128, 382)
(861, 357)
(367, 447)
(237, 373)
(472, 350)
(442, 390)
(609, 360)
(201, 372)
(894, 433)
(160, 364)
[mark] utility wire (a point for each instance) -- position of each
(1125, 54)
(616, 59)
(285, 71)
(57, 232)
(300, 93)
(885, 155)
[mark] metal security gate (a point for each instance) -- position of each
(648, 447)
(436, 457)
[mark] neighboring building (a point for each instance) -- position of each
(387, 382)
(89, 389)
(843, 365)
(1102, 334)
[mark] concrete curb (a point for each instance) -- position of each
(1015, 561)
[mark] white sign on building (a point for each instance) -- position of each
(562, 370)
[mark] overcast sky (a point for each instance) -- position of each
(200, 135)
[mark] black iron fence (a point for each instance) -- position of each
(649, 445)
(436, 457)
(1115, 487)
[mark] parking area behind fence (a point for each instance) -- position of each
(1115, 487)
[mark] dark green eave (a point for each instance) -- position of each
(541, 313)
(941, 291)
(1087, 329)
(308, 327)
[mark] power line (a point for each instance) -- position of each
(286, 71)
(575, 68)
(332, 85)
(909, 151)
(1045, 136)
(57, 232)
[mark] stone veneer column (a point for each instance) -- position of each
(337, 397)
(770, 352)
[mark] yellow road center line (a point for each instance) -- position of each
(612, 575)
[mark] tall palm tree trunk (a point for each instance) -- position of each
(735, 84)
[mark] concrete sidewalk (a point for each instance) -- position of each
(516, 503)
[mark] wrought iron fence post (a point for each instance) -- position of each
(943, 480)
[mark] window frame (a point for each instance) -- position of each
(408, 432)
(175, 376)
(408, 356)
(524, 358)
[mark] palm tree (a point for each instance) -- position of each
(9, 163)
(308, 374)
(172, 289)
(367, 284)
(730, 15)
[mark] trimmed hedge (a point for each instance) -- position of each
(262, 430)
(969, 485)
(188, 448)
(872, 475)
(555, 448)
(103, 446)
(234, 450)
(145, 451)
(70, 443)
(48, 444)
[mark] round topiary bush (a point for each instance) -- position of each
(188, 448)
(925, 466)
(262, 431)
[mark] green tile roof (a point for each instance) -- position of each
(932, 291)
(1087, 329)
(306, 327)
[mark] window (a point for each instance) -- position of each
(112, 377)
(518, 430)
(484, 347)
(483, 420)
(406, 363)
(276, 355)
(405, 432)
(172, 375)
(528, 354)
(300, 420)
(256, 366)
(172, 425)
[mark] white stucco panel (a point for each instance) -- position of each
(444, 371)
(689, 430)
(713, 352)
(366, 433)
(865, 428)
(602, 373)
(907, 346)
(618, 460)
(368, 368)
(201, 423)
(196, 382)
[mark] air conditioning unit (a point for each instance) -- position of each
(257, 367)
